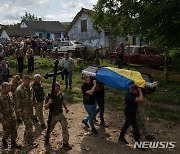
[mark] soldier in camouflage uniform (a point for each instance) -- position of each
(24, 107)
(7, 117)
(57, 114)
(39, 95)
(20, 59)
(15, 82)
(30, 56)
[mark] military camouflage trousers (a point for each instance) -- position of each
(39, 112)
(28, 134)
(63, 121)
(10, 130)
(142, 123)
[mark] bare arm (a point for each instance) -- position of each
(47, 105)
(64, 106)
(90, 92)
(140, 98)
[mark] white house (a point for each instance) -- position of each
(81, 29)
(42, 29)
(45, 29)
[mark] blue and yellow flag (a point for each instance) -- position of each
(119, 78)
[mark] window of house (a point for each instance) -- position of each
(57, 35)
(40, 35)
(48, 35)
(127, 39)
(83, 25)
(107, 33)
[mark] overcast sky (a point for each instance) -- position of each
(60, 10)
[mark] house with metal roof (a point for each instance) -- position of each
(45, 29)
(8, 32)
(81, 29)
(42, 29)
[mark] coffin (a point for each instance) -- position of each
(121, 78)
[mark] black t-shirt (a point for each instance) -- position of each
(33, 43)
(57, 104)
(88, 99)
(131, 105)
(100, 93)
(39, 91)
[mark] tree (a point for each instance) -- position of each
(157, 20)
(16, 25)
(29, 17)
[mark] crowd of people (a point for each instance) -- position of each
(22, 48)
(39, 46)
(22, 101)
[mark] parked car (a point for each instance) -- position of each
(72, 47)
(145, 55)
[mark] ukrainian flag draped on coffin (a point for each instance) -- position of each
(119, 78)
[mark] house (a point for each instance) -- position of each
(45, 29)
(10, 31)
(81, 29)
(42, 29)
(129, 40)
(1, 26)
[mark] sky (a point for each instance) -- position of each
(56, 10)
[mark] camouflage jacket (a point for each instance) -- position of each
(14, 86)
(30, 53)
(6, 107)
(25, 99)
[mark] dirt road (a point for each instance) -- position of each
(106, 141)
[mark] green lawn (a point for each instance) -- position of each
(167, 93)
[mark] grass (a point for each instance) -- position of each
(166, 93)
(162, 113)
